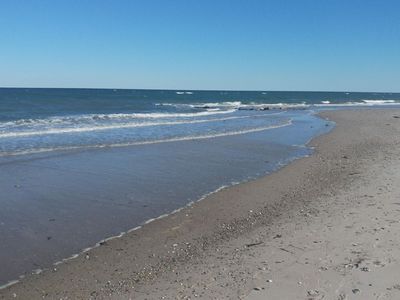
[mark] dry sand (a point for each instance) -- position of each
(324, 227)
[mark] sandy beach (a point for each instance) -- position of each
(323, 227)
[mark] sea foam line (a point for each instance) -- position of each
(282, 105)
(118, 126)
(120, 235)
(118, 116)
(177, 139)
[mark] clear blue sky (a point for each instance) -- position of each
(201, 44)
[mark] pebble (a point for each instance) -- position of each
(342, 296)
(313, 293)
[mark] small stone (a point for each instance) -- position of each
(313, 293)
(355, 291)
(396, 286)
(269, 280)
(257, 288)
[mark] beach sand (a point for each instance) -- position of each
(323, 227)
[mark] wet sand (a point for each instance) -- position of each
(324, 227)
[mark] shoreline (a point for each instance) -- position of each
(188, 205)
(186, 234)
(196, 187)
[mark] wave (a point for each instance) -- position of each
(304, 105)
(45, 131)
(235, 105)
(91, 122)
(379, 101)
(227, 104)
(168, 140)
(204, 105)
(163, 115)
(238, 105)
(356, 104)
(104, 117)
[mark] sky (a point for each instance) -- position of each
(321, 45)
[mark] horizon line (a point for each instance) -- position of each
(199, 90)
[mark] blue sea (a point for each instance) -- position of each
(40, 120)
(81, 165)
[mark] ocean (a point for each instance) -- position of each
(40, 120)
(81, 165)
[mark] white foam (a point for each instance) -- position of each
(233, 104)
(379, 101)
(182, 93)
(260, 106)
(165, 115)
(362, 103)
(10, 283)
(47, 131)
(78, 119)
(204, 105)
(134, 229)
(177, 139)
